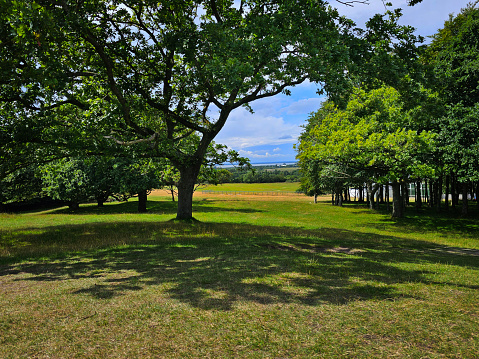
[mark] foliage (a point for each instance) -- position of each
(78, 180)
(454, 55)
(66, 180)
(22, 185)
(459, 141)
(370, 140)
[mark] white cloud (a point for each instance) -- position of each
(244, 130)
(304, 106)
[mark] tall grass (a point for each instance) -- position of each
(254, 278)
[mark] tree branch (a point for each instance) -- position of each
(129, 143)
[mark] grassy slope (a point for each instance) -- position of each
(255, 278)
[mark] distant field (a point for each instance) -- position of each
(270, 187)
(255, 277)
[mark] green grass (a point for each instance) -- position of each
(256, 187)
(255, 278)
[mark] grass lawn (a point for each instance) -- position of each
(256, 277)
(254, 187)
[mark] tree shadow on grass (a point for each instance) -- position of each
(215, 265)
(446, 224)
(153, 207)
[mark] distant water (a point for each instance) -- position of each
(258, 164)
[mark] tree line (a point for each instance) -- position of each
(72, 181)
(419, 127)
(263, 174)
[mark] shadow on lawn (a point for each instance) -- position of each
(153, 207)
(445, 223)
(215, 265)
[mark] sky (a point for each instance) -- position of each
(268, 135)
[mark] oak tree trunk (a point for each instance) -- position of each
(186, 187)
(397, 200)
(142, 199)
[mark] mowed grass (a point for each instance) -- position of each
(254, 187)
(256, 277)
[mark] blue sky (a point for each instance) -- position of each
(268, 135)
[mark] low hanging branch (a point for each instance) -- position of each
(350, 3)
(129, 143)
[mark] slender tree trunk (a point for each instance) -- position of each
(426, 194)
(397, 200)
(405, 193)
(315, 198)
(477, 195)
(453, 191)
(447, 192)
(387, 197)
(142, 199)
(332, 199)
(378, 196)
(186, 187)
(439, 192)
(431, 194)
(465, 190)
(418, 195)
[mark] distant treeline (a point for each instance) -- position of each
(265, 174)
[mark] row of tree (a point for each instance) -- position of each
(73, 181)
(418, 127)
(263, 174)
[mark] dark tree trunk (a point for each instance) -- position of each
(453, 192)
(447, 193)
(361, 194)
(431, 194)
(378, 196)
(74, 206)
(315, 198)
(371, 190)
(332, 199)
(418, 195)
(142, 199)
(405, 194)
(186, 187)
(426, 194)
(387, 197)
(397, 200)
(465, 190)
(439, 193)
(476, 197)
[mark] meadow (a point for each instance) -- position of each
(255, 277)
